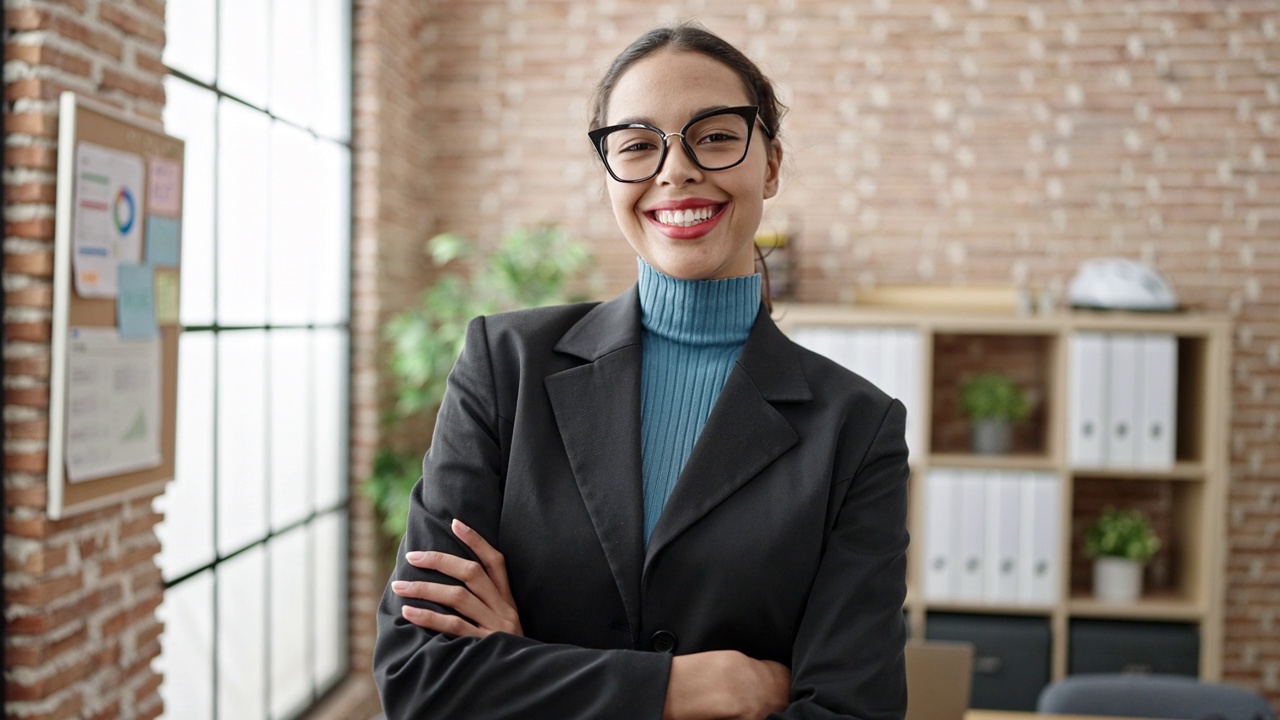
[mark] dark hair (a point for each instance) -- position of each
(692, 37)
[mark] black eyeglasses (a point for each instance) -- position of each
(714, 140)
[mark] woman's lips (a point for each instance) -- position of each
(688, 223)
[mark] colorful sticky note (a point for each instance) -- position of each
(135, 302)
(166, 296)
(164, 186)
(163, 241)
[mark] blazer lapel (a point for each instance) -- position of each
(743, 435)
(597, 410)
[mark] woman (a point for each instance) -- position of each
(670, 509)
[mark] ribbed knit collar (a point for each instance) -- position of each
(698, 312)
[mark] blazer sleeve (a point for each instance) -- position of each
(422, 674)
(848, 656)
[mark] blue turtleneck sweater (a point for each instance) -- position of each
(693, 333)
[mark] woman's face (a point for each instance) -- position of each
(666, 90)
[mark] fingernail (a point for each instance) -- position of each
(409, 611)
(415, 556)
(462, 527)
(399, 586)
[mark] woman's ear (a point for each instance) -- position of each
(772, 169)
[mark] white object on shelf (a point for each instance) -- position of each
(973, 541)
(1157, 411)
(1117, 579)
(1040, 498)
(1123, 383)
(1088, 394)
(1003, 520)
(941, 574)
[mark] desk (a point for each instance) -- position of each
(1014, 715)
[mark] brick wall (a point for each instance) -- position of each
(81, 593)
(393, 216)
(947, 143)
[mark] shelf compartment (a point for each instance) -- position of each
(1030, 360)
(1172, 579)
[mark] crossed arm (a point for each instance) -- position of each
(717, 684)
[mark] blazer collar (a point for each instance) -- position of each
(605, 328)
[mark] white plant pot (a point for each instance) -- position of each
(992, 436)
(1117, 579)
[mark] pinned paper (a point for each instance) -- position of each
(107, 224)
(164, 186)
(135, 303)
(166, 281)
(163, 241)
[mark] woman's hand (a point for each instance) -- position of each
(725, 684)
(484, 600)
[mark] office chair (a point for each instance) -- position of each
(1175, 697)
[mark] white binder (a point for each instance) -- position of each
(1002, 515)
(1158, 406)
(819, 339)
(909, 390)
(888, 372)
(972, 536)
(1038, 581)
(941, 575)
(1087, 403)
(1122, 393)
(865, 354)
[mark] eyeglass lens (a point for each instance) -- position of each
(718, 142)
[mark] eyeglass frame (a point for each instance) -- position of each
(750, 113)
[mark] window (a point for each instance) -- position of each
(254, 541)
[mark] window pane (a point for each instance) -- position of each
(189, 36)
(329, 417)
(186, 534)
(242, 214)
(289, 411)
(290, 623)
(328, 576)
(186, 649)
(332, 241)
(333, 69)
(294, 206)
(241, 432)
(293, 64)
(242, 56)
(190, 113)
(242, 636)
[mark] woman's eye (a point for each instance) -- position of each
(718, 137)
(637, 146)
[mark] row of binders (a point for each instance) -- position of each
(889, 357)
(1123, 400)
(991, 536)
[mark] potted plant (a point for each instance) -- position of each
(530, 267)
(1120, 542)
(992, 402)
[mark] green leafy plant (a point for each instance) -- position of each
(993, 396)
(1122, 533)
(529, 267)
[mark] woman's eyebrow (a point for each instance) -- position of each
(646, 120)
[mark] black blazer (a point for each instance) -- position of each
(785, 536)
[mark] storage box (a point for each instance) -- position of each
(1011, 661)
(1111, 646)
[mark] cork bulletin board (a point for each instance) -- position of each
(114, 372)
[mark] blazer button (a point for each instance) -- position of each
(663, 641)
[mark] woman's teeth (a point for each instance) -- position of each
(685, 218)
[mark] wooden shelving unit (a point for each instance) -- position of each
(1193, 488)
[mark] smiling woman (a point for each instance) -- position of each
(657, 506)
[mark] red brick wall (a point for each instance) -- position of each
(940, 142)
(81, 593)
(393, 216)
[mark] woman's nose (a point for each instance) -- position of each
(678, 167)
